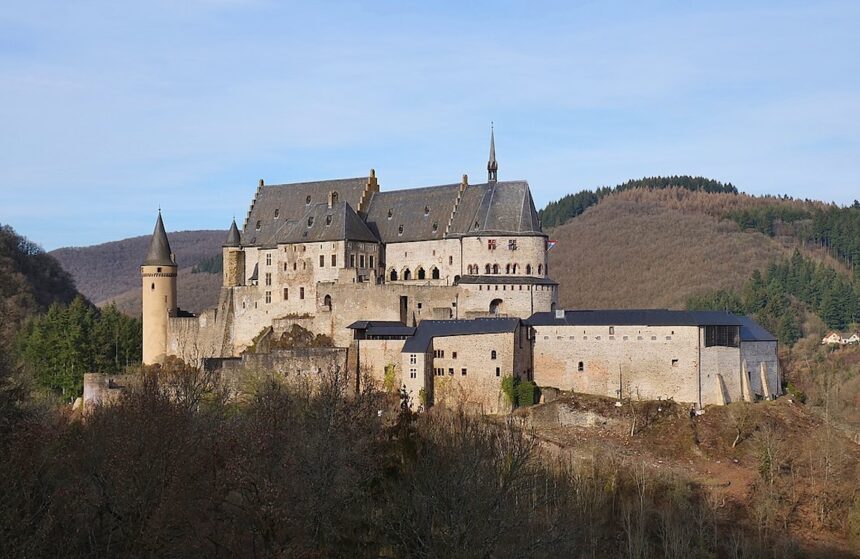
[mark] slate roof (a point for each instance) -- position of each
(159, 253)
(749, 329)
(417, 214)
(233, 238)
(752, 331)
(417, 210)
(321, 223)
(506, 280)
(429, 329)
(291, 201)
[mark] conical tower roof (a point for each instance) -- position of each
(159, 247)
(233, 237)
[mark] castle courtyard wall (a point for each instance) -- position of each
(756, 354)
(375, 355)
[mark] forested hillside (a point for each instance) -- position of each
(103, 272)
(30, 281)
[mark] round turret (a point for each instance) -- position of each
(158, 273)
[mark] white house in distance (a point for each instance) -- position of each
(834, 338)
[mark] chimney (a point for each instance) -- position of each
(464, 183)
(559, 314)
(261, 183)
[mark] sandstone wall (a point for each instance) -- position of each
(375, 355)
(755, 354)
(646, 362)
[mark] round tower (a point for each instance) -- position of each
(158, 272)
(234, 258)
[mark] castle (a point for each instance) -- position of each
(446, 288)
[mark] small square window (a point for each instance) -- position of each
(453, 355)
(463, 371)
(580, 367)
(674, 362)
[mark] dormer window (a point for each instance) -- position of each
(426, 210)
(400, 230)
(310, 221)
(476, 225)
(259, 225)
(328, 220)
(308, 200)
(277, 213)
(435, 226)
(390, 213)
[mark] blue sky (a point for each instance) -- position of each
(110, 109)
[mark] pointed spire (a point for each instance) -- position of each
(159, 247)
(492, 164)
(233, 237)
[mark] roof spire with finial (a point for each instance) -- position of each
(492, 164)
(159, 247)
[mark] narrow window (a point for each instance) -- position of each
(286, 294)
(463, 371)
(310, 221)
(352, 261)
(450, 260)
(268, 259)
(268, 278)
(453, 355)
(268, 296)
(277, 213)
(333, 260)
(152, 286)
(390, 213)
(327, 220)
(412, 359)
(413, 373)
(528, 269)
(493, 354)
(612, 329)
(580, 367)
(498, 371)
(361, 261)
(301, 293)
(370, 265)
(322, 261)
(400, 230)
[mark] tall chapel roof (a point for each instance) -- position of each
(159, 253)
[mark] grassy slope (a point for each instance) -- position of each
(643, 248)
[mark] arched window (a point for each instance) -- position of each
(493, 354)
(407, 275)
(514, 269)
(507, 268)
(327, 302)
(393, 275)
(487, 269)
(456, 279)
(540, 269)
(495, 268)
(528, 269)
(496, 306)
(334, 197)
(434, 273)
(420, 273)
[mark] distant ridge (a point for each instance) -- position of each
(110, 271)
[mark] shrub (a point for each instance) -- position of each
(509, 387)
(388, 381)
(527, 393)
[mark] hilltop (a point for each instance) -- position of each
(111, 271)
(657, 248)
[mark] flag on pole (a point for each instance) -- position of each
(550, 245)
